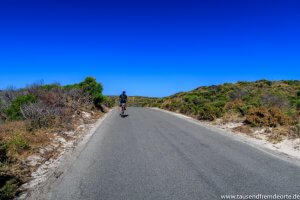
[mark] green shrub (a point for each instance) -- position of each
(185, 109)
(244, 109)
(93, 88)
(8, 191)
(90, 87)
(173, 106)
(2, 112)
(50, 86)
(17, 144)
(262, 83)
(292, 82)
(219, 103)
(237, 93)
(14, 110)
(298, 105)
(3, 152)
(194, 99)
(253, 101)
(243, 83)
(108, 102)
(209, 112)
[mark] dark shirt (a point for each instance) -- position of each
(123, 98)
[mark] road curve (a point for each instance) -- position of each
(153, 155)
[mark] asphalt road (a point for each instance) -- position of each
(155, 155)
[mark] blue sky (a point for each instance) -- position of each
(152, 48)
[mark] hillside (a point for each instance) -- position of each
(274, 105)
(37, 120)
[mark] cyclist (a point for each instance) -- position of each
(122, 100)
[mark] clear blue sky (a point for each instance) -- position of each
(148, 47)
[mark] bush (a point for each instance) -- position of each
(294, 131)
(270, 117)
(92, 87)
(209, 112)
(243, 83)
(17, 144)
(187, 109)
(291, 82)
(2, 112)
(108, 102)
(8, 190)
(262, 83)
(273, 100)
(40, 115)
(14, 111)
(50, 86)
(237, 93)
(234, 105)
(252, 101)
(3, 152)
(8, 95)
(298, 104)
(56, 105)
(219, 104)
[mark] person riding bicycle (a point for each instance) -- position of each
(122, 100)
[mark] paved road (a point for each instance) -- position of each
(154, 155)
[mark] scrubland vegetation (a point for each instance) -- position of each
(30, 116)
(263, 103)
(138, 101)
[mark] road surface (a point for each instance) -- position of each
(155, 155)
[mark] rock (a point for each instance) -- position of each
(34, 160)
(86, 115)
(60, 139)
(69, 133)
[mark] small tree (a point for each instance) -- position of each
(93, 88)
(14, 110)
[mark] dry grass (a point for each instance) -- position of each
(294, 132)
(19, 143)
(278, 134)
(16, 134)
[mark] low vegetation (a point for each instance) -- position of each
(29, 117)
(137, 101)
(263, 103)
